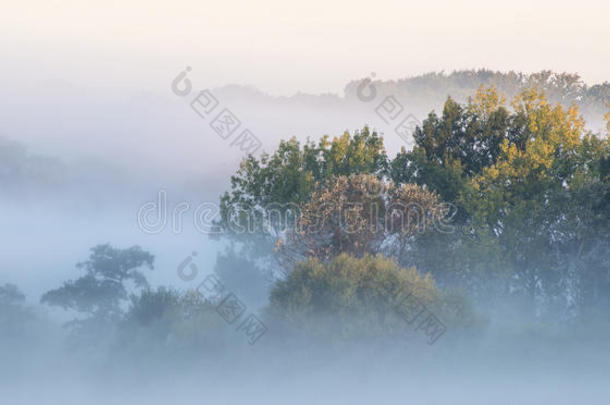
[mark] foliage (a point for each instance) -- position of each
(351, 297)
(164, 316)
(243, 277)
(358, 215)
(529, 190)
(527, 185)
(100, 292)
(10, 296)
(13, 312)
(266, 192)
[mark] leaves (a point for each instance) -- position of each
(349, 296)
(100, 291)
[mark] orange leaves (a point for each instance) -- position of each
(356, 214)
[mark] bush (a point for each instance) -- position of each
(168, 318)
(355, 298)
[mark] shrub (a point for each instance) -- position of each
(169, 318)
(352, 298)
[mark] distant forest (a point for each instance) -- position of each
(564, 88)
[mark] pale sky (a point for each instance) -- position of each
(282, 47)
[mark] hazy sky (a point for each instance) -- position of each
(282, 46)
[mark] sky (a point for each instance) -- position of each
(283, 47)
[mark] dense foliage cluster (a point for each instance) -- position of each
(527, 186)
(352, 298)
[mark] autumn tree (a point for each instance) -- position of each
(359, 215)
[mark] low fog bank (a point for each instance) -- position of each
(498, 366)
(55, 209)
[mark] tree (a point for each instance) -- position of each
(528, 189)
(100, 292)
(451, 149)
(12, 310)
(354, 298)
(282, 181)
(358, 215)
(164, 317)
(20, 324)
(266, 194)
(243, 277)
(10, 296)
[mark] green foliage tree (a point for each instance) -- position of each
(13, 313)
(528, 187)
(165, 313)
(243, 277)
(266, 193)
(164, 316)
(518, 197)
(10, 296)
(452, 148)
(286, 178)
(100, 292)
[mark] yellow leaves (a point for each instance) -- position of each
(340, 144)
(528, 100)
(353, 292)
(486, 100)
(553, 133)
(509, 151)
(492, 173)
(538, 154)
(324, 142)
(541, 154)
(553, 124)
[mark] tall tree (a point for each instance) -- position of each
(102, 289)
(267, 193)
(361, 214)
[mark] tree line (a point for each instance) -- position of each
(522, 193)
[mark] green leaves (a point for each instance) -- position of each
(100, 291)
(349, 297)
(287, 178)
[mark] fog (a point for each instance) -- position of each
(119, 255)
(498, 367)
